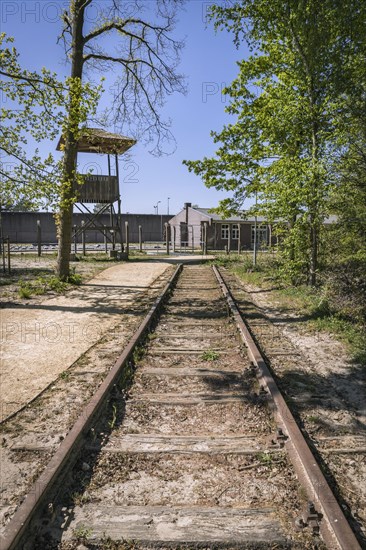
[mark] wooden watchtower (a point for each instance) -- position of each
(101, 189)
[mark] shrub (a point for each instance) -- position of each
(346, 288)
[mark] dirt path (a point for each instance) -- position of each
(326, 356)
(41, 340)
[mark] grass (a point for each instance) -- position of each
(263, 273)
(306, 302)
(210, 355)
(318, 317)
(94, 258)
(350, 334)
(45, 283)
(82, 532)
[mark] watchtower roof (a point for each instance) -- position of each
(95, 140)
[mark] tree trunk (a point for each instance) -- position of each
(292, 251)
(64, 217)
(313, 264)
(314, 204)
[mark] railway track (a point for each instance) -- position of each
(327, 395)
(199, 450)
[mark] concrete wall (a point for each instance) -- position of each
(21, 227)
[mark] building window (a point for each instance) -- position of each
(235, 231)
(262, 235)
(225, 231)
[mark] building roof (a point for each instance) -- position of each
(95, 140)
(240, 218)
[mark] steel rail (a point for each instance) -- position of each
(334, 527)
(67, 452)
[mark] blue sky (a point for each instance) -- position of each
(209, 63)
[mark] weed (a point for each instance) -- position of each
(265, 458)
(75, 279)
(108, 544)
(313, 419)
(80, 498)
(82, 532)
(25, 290)
(65, 375)
(138, 354)
(112, 422)
(54, 283)
(210, 355)
(225, 261)
(95, 258)
(44, 283)
(126, 377)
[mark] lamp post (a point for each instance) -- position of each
(168, 206)
(161, 219)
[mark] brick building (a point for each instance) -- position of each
(187, 229)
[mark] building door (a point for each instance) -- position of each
(262, 236)
(183, 234)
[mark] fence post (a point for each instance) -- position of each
(83, 237)
(8, 250)
(3, 252)
(174, 235)
(39, 237)
(105, 241)
(127, 238)
(140, 238)
(75, 241)
(229, 239)
(205, 238)
(167, 237)
(239, 238)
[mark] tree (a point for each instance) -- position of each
(286, 98)
(146, 56)
(23, 205)
(33, 107)
(346, 237)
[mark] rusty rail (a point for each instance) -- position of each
(334, 527)
(66, 454)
